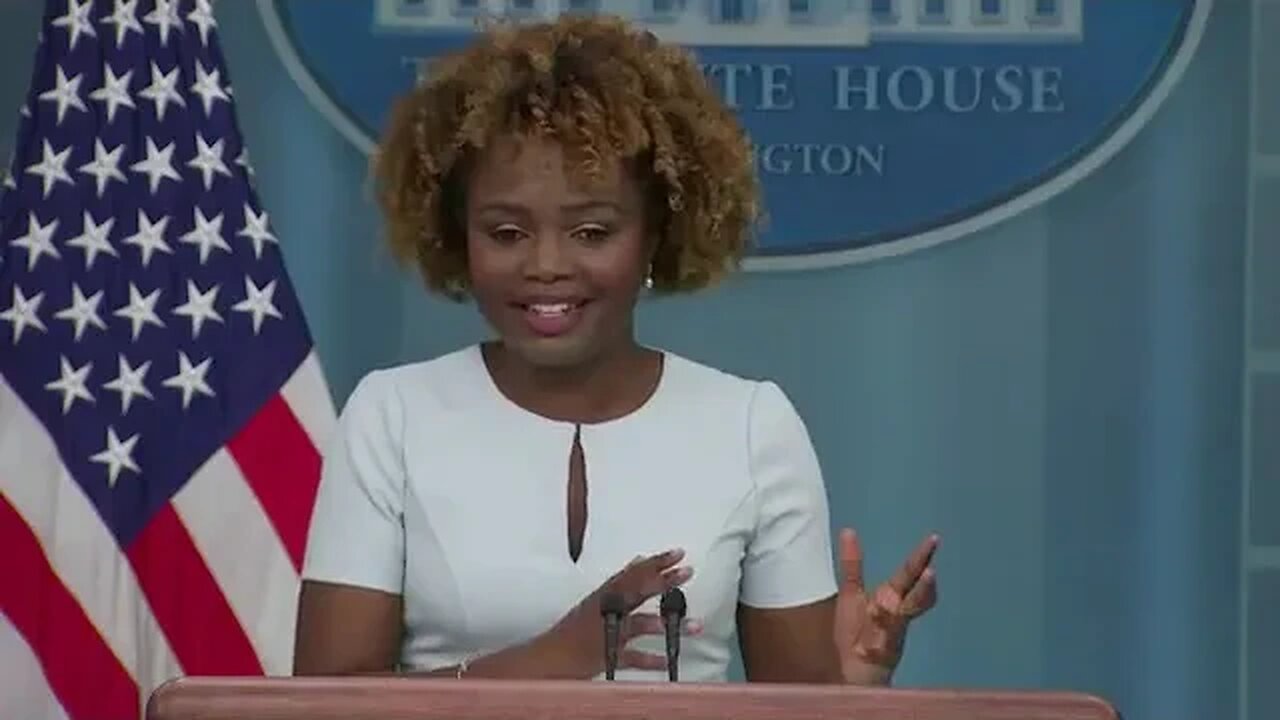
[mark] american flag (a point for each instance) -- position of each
(161, 406)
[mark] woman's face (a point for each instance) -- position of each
(555, 265)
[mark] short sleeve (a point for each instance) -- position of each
(788, 559)
(357, 532)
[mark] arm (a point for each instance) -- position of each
(345, 630)
(789, 644)
(787, 606)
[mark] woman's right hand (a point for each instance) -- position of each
(577, 641)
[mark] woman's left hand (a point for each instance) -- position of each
(871, 630)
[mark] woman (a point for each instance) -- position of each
(475, 507)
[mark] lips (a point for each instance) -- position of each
(552, 309)
(550, 318)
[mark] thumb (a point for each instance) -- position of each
(851, 559)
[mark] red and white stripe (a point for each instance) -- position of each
(208, 588)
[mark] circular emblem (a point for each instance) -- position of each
(880, 126)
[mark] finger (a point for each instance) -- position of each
(637, 624)
(883, 609)
(654, 566)
(909, 573)
(639, 591)
(646, 583)
(661, 561)
(884, 650)
(641, 660)
(675, 577)
(923, 595)
(644, 577)
(657, 562)
(650, 624)
(851, 558)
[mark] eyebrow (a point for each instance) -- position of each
(515, 208)
(592, 205)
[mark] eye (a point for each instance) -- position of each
(592, 233)
(506, 234)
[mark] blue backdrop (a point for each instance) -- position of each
(1059, 396)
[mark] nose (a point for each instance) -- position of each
(548, 260)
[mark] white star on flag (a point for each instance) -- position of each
(199, 307)
(77, 21)
(125, 18)
(83, 311)
(208, 86)
(255, 228)
(165, 18)
(206, 235)
(52, 167)
(105, 165)
(258, 302)
(163, 90)
(150, 237)
(24, 313)
(140, 310)
(114, 92)
(71, 383)
(243, 161)
(202, 18)
(190, 379)
(65, 94)
(208, 160)
(38, 241)
(9, 182)
(93, 239)
(117, 456)
(157, 165)
(130, 382)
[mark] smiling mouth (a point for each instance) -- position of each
(553, 309)
(551, 319)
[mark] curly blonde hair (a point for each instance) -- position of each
(607, 93)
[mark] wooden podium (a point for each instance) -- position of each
(406, 698)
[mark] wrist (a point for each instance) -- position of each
(538, 659)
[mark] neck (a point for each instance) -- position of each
(607, 387)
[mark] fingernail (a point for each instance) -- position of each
(693, 627)
(681, 574)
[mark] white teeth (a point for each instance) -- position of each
(552, 309)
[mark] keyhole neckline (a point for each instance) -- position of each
(577, 494)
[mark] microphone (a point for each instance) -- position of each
(673, 608)
(612, 608)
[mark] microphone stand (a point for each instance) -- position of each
(673, 608)
(611, 609)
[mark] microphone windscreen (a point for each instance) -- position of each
(673, 602)
(612, 604)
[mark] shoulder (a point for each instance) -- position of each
(418, 386)
(760, 402)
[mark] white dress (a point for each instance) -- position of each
(439, 488)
